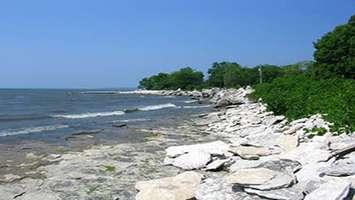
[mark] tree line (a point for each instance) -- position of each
(221, 74)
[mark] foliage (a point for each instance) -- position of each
(300, 96)
(228, 74)
(185, 78)
(335, 53)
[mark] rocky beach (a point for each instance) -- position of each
(238, 151)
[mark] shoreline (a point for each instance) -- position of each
(233, 131)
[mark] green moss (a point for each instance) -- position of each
(109, 168)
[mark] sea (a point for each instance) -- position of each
(53, 115)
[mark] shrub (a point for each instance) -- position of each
(300, 96)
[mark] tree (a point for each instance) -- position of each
(224, 74)
(335, 53)
(232, 76)
(216, 74)
(187, 79)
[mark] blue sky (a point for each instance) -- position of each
(113, 43)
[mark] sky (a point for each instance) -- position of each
(115, 43)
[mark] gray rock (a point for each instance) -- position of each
(180, 187)
(292, 193)
(192, 160)
(251, 176)
(213, 148)
(280, 180)
(332, 190)
(218, 189)
(340, 168)
(217, 164)
(288, 142)
(251, 152)
(283, 165)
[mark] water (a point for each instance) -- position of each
(53, 115)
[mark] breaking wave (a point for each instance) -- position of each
(157, 107)
(88, 115)
(201, 106)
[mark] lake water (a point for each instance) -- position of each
(53, 115)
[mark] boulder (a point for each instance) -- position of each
(292, 193)
(251, 152)
(192, 160)
(251, 176)
(332, 190)
(288, 142)
(344, 167)
(180, 187)
(261, 178)
(213, 148)
(218, 189)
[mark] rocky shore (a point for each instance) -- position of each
(239, 151)
(259, 156)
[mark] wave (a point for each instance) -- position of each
(89, 115)
(201, 106)
(131, 120)
(157, 107)
(190, 101)
(32, 130)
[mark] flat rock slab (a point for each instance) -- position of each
(251, 152)
(340, 168)
(251, 176)
(261, 178)
(218, 189)
(213, 148)
(332, 190)
(288, 142)
(180, 187)
(280, 194)
(192, 160)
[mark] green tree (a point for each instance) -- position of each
(216, 75)
(187, 79)
(335, 53)
(232, 75)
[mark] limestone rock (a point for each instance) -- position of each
(218, 189)
(332, 190)
(344, 167)
(192, 160)
(292, 193)
(214, 148)
(217, 164)
(251, 152)
(180, 187)
(251, 176)
(288, 142)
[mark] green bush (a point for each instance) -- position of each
(300, 96)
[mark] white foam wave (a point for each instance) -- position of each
(32, 130)
(190, 101)
(157, 107)
(88, 115)
(132, 120)
(201, 106)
